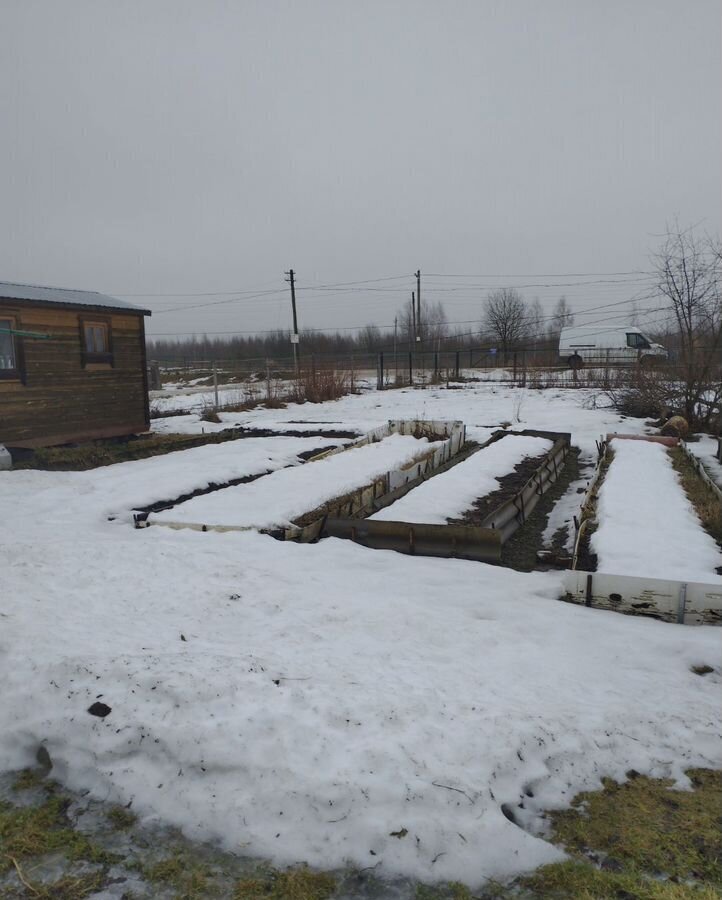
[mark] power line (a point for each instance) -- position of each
(538, 275)
(252, 290)
(335, 329)
(338, 284)
(431, 290)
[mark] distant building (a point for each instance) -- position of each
(72, 366)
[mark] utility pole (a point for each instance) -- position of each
(418, 303)
(294, 336)
(396, 359)
(414, 332)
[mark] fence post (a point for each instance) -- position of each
(155, 379)
(215, 384)
(380, 373)
(513, 376)
(411, 368)
(436, 365)
(457, 369)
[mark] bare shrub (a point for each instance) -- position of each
(209, 414)
(318, 385)
(644, 393)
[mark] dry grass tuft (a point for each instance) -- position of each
(293, 884)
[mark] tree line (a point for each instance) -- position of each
(508, 322)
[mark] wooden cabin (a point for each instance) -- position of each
(72, 366)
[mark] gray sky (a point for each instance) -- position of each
(169, 147)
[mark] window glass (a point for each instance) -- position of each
(96, 338)
(7, 345)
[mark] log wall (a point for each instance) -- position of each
(60, 398)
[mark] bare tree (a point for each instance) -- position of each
(562, 316)
(688, 273)
(370, 338)
(407, 323)
(506, 318)
(433, 323)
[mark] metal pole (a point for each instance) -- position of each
(215, 384)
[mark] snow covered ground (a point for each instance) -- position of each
(286, 495)
(450, 494)
(647, 524)
(303, 702)
(482, 408)
(705, 449)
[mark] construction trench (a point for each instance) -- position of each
(410, 509)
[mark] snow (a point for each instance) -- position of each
(705, 449)
(118, 489)
(647, 524)
(193, 424)
(482, 408)
(286, 495)
(326, 695)
(450, 494)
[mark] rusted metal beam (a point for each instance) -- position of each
(446, 541)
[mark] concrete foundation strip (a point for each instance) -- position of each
(369, 496)
(683, 602)
(689, 603)
(478, 542)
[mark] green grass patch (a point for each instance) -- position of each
(192, 880)
(27, 832)
(705, 501)
(121, 818)
(28, 779)
(647, 826)
(641, 840)
(69, 887)
(581, 881)
(294, 884)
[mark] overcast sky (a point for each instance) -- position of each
(169, 147)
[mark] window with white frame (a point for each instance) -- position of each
(97, 341)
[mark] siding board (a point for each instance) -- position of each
(60, 400)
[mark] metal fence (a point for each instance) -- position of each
(525, 367)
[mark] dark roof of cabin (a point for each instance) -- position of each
(65, 297)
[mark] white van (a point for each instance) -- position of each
(582, 345)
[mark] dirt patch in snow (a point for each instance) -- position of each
(160, 505)
(80, 457)
(520, 551)
(509, 485)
